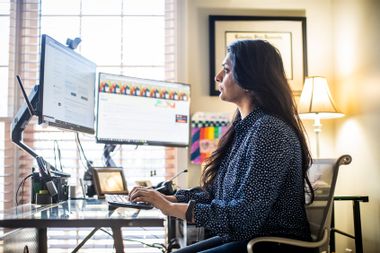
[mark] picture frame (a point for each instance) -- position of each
(287, 34)
(109, 180)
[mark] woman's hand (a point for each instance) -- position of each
(151, 196)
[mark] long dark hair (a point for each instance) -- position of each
(257, 66)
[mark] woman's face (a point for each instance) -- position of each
(229, 90)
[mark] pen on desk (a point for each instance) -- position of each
(135, 214)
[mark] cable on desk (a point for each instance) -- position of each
(19, 186)
(88, 163)
(155, 236)
(159, 246)
(57, 153)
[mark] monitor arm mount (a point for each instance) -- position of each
(22, 118)
(19, 123)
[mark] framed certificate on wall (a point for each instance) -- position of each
(287, 34)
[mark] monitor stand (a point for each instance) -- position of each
(23, 116)
(48, 176)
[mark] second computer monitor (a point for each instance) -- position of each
(141, 111)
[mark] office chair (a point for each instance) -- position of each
(323, 175)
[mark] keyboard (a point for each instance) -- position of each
(120, 200)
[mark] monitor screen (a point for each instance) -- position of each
(67, 88)
(141, 111)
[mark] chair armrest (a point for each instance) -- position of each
(299, 243)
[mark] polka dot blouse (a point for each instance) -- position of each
(258, 190)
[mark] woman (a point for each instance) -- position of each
(253, 184)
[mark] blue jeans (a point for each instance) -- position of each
(216, 245)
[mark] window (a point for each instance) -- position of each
(128, 37)
(4, 58)
(134, 46)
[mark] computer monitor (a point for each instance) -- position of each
(67, 88)
(141, 111)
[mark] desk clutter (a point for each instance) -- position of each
(206, 130)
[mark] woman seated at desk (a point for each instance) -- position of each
(254, 183)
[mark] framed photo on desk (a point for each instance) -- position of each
(109, 181)
(287, 34)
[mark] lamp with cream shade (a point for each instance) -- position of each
(316, 103)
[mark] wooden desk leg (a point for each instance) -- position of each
(42, 240)
(118, 239)
(332, 232)
(357, 227)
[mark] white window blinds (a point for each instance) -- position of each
(23, 57)
(4, 66)
(129, 37)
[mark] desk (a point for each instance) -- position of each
(79, 213)
(357, 222)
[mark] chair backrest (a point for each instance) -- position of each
(323, 175)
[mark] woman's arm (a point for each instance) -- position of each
(182, 196)
(196, 193)
(170, 198)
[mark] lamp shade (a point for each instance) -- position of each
(316, 100)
